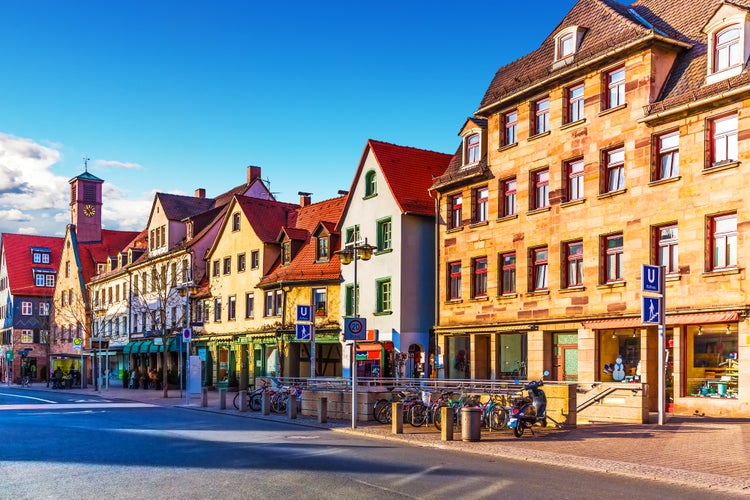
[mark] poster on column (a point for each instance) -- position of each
(195, 375)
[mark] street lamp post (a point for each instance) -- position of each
(354, 253)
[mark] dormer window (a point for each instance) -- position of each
(472, 149)
(566, 45)
(286, 252)
(727, 51)
(322, 250)
(567, 42)
(728, 43)
(236, 221)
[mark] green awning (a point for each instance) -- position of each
(131, 347)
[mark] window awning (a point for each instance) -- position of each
(672, 320)
(131, 347)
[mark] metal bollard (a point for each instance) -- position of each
(243, 400)
(291, 406)
(471, 428)
(323, 410)
(397, 418)
(222, 399)
(446, 418)
(204, 397)
(265, 403)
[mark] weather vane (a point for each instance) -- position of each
(86, 164)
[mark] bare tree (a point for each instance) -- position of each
(155, 299)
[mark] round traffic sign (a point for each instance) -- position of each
(77, 341)
(355, 326)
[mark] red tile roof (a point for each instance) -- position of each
(113, 242)
(303, 266)
(16, 248)
(409, 173)
(266, 217)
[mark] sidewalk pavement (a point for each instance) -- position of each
(702, 452)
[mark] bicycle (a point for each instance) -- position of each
(414, 410)
(255, 398)
(25, 381)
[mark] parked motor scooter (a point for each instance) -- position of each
(529, 410)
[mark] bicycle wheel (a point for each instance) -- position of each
(437, 416)
(418, 414)
(236, 401)
(278, 404)
(376, 407)
(498, 418)
(384, 414)
(256, 401)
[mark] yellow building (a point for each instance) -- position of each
(616, 143)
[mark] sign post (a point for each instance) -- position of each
(305, 328)
(653, 312)
(187, 336)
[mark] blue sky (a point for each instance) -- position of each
(171, 96)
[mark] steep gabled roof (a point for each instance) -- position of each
(609, 25)
(178, 207)
(303, 266)
(408, 172)
(91, 254)
(687, 79)
(19, 264)
(266, 217)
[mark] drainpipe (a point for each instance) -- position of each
(437, 278)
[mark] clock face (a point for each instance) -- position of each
(89, 210)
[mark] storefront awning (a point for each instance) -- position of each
(672, 320)
(131, 347)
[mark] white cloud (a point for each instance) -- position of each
(29, 191)
(15, 215)
(117, 164)
(26, 179)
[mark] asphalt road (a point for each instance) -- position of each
(60, 445)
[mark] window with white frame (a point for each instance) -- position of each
(723, 241)
(723, 139)
(481, 201)
(574, 103)
(320, 303)
(540, 118)
(472, 149)
(44, 309)
(574, 180)
(614, 170)
(508, 135)
(249, 305)
(667, 155)
(540, 184)
(385, 239)
(614, 83)
(509, 197)
(26, 308)
(27, 336)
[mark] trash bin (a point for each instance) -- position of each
(471, 419)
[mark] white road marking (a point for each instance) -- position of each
(383, 488)
(416, 475)
(78, 406)
(26, 397)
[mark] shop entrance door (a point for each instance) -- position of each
(565, 357)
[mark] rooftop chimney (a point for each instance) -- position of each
(200, 193)
(304, 198)
(253, 173)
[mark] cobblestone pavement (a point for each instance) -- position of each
(698, 451)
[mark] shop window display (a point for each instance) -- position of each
(620, 353)
(459, 355)
(712, 363)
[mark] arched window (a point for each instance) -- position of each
(371, 184)
(472, 149)
(727, 48)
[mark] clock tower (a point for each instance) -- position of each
(86, 207)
